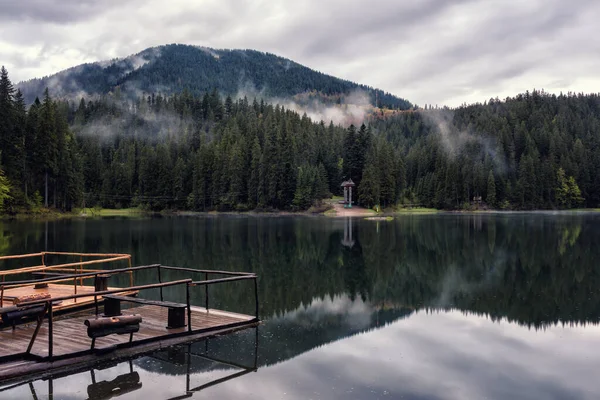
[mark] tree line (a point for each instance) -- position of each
(532, 151)
(207, 152)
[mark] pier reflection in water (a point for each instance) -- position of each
(201, 366)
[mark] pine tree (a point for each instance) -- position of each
(350, 157)
(253, 182)
(575, 198)
(4, 189)
(304, 188)
(321, 183)
(370, 188)
(561, 191)
(491, 190)
(19, 140)
(8, 142)
(46, 146)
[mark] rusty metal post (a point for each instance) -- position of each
(40, 320)
(255, 297)
(206, 291)
(81, 271)
(130, 272)
(50, 333)
(189, 306)
(95, 295)
(160, 281)
(75, 280)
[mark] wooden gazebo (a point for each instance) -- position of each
(348, 185)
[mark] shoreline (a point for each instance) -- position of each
(335, 212)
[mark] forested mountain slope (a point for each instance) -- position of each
(172, 68)
(533, 151)
(211, 152)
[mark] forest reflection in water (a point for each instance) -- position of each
(482, 304)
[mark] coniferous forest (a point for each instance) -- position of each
(213, 152)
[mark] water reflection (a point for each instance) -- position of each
(199, 363)
(442, 306)
(535, 269)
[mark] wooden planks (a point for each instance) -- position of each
(16, 371)
(70, 333)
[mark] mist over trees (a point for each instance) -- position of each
(533, 151)
(210, 152)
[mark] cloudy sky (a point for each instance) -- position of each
(428, 51)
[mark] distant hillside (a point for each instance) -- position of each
(173, 68)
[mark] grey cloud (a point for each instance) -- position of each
(433, 51)
(53, 11)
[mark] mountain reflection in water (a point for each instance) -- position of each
(424, 307)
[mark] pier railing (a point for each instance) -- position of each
(68, 267)
(47, 311)
(59, 270)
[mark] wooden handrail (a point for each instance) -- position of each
(207, 271)
(65, 277)
(23, 270)
(212, 281)
(46, 267)
(112, 291)
(21, 256)
(113, 257)
(63, 253)
(209, 282)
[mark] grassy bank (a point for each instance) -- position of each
(415, 210)
(44, 214)
(108, 212)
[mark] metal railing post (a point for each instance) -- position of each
(160, 281)
(189, 306)
(130, 272)
(206, 291)
(255, 297)
(95, 295)
(50, 333)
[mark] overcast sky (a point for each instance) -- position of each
(427, 51)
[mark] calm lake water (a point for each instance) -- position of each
(422, 307)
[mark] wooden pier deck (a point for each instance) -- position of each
(70, 337)
(58, 338)
(70, 333)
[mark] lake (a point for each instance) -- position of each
(444, 306)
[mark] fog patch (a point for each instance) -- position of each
(353, 108)
(209, 51)
(141, 122)
(454, 142)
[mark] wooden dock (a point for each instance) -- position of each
(36, 336)
(70, 338)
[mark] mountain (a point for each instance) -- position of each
(173, 68)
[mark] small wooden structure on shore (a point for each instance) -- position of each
(348, 185)
(36, 339)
